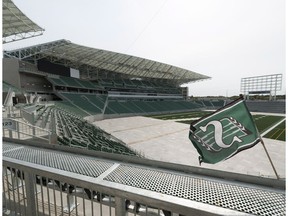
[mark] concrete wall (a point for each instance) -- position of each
(46, 97)
(11, 72)
(267, 106)
(34, 83)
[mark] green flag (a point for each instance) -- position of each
(224, 133)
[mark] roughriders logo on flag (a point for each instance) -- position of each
(224, 133)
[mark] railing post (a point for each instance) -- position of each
(120, 209)
(71, 203)
(53, 134)
(33, 131)
(4, 200)
(10, 133)
(34, 124)
(30, 193)
(18, 129)
(16, 181)
(4, 204)
(33, 119)
(49, 138)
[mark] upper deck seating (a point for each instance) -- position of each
(129, 84)
(71, 82)
(74, 82)
(56, 81)
(106, 82)
(86, 84)
(119, 83)
(144, 107)
(83, 101)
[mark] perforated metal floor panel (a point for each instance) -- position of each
(55, 159)
(7, 147)
(245, 198)
(230, 196)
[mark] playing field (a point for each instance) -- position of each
(172, 116)
(263, 122)
(278, 133)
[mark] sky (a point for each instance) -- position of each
(224, 39)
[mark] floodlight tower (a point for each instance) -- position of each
(268, 84)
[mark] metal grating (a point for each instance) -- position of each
(6, 147)
(235, 197)
(68, 162)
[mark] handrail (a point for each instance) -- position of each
(72, 173)
(225, 175)
(28, 130)
(36, 127)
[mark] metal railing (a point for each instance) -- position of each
(56, 181)
(34, 190)
(28, 116)
(16, 129)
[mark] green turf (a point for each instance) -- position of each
(278, 133)
(185, 122)
(263, 122)
(180, 115)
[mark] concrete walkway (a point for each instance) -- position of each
(168, 141)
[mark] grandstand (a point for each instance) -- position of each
(74, 132)
(59, 132)
(95, 98)
(122, 85)
(265, 106)
(109, 85)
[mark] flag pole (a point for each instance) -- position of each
(269, 158)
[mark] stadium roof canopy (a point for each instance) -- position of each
(16, 25)
(93, 63)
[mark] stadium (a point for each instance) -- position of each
(88, 131)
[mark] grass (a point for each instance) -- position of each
(278, 133)
(263, 122)
(172, 116)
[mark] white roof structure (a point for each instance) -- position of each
(16, 25)
(93, 63)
